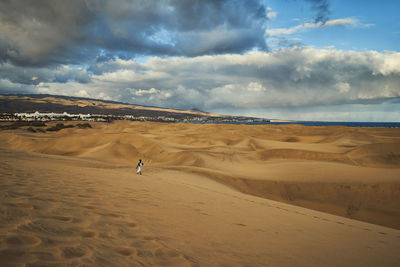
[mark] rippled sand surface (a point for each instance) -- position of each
(210, 195)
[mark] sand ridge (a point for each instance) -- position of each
(57, 215)
(72, 197)
(68, 211)
(264, 160)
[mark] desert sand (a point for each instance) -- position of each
(210, 195)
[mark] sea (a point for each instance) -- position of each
(320, 123)
(341, 123)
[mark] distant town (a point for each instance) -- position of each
(46, 108)
(52, 116)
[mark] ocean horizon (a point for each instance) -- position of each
(317, 123)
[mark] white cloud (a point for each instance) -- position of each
(104, 96)
(255, 87)
(341, 22)
(390, 64)
(343, 87)
(141, 92)
(286, 79)
(344, 22)
(126, 75)
(82, 93)
(272, 15)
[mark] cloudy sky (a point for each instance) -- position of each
(333, 60)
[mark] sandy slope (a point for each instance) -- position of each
(351, 172)
(72, 197)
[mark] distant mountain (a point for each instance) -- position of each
(78, 105)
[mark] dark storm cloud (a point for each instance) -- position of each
(34, 76)
(71, 32)
(322, 9)
(37, 32)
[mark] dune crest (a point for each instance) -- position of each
(210, 195)
(335, 169)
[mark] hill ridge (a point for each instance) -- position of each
(12, 103)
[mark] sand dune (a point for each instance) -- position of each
(246, 153)
(72, 197)
(55, 212)
(377, 154)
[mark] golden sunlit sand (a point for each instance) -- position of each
(210, 195)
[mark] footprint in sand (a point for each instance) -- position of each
(24, 205)
(22, 241)
(47, 199)
(166, 252)
(89, 233)
(169, 257)
(63, 218)
(73, 252)
(201, 212)
(52, 255)
(19, 194)
(11, 256)
(131, 224)
(84, 196)
(148, 237)
(49, 227)
(90, 207)
(126, 251)
(113, 215)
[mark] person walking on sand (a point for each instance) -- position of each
(139, 167)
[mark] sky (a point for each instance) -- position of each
(325, 60)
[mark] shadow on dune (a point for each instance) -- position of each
(215, 151)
